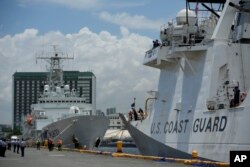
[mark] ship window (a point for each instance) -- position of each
(78, 101)
(42, 113)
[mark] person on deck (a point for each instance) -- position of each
(17, 146)
(130, 115)
(141, 113)
(22, 146)
(59, 144)
(236, 96)
(50, 144)
(135, 114)
(14, 145)
(38, 143)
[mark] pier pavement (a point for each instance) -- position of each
(45, 158)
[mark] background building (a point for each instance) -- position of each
(99, 112)
(110, 111)
(115, 121)
(27, 87)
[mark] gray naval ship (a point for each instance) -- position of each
(202, 100)
(60, 113)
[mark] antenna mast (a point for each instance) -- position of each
(55, 59)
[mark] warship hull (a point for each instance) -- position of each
(87, 130)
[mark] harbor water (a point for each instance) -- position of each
(129, 150)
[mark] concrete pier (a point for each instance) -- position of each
(45, 158)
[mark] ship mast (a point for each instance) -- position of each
(55, 70)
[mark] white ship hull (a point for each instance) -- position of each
(89, 130)
(196, 106)
(212, 134)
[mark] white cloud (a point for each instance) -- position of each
(89, 4)
(80, 4)
(77, 4)
(116, 62)
(131, 21)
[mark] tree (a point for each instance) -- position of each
(16, 131)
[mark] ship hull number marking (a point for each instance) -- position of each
(199, 125)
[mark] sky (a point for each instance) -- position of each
(107, 37)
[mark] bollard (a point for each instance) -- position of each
(119, 146)
(194, 154)
(187, 162)
(46, 143)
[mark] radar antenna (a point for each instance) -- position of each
(55, 59)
